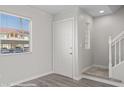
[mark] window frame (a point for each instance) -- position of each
(30, 30)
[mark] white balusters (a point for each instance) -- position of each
(115, 52)
(116, 44)
(110, 57)
(120, 50)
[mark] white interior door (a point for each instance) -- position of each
(63, 45)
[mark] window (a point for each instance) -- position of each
(87, 36)
(15, 34)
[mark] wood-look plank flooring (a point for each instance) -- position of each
(55, 80)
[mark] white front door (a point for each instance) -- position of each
(63, 46)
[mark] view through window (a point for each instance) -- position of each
(14, 34)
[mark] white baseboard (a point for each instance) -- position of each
(28, 79)
(83, 70)
(86, 68)
(77, 78)
(101, 66)
(104, 81)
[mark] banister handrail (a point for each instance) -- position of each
(118, 36)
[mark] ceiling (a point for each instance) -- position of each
(53, 9)
(93, 10)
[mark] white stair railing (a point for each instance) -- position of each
(115, 59)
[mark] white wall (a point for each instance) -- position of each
(103, 27)
(84, 55)
(19, 67)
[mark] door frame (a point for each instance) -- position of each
(73, 44)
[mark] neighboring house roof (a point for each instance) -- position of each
(10, 30)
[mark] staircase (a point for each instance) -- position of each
(116, 57)
(116, 63)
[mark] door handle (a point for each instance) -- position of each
(70, 53)
(70, 47)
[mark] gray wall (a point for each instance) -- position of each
(68, 13)
(84, 55)
(103, 27)
(19, 67)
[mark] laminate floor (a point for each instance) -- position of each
(55, 80)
